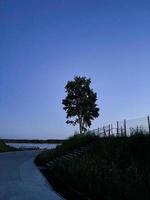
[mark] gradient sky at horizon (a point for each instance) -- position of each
(43, 44)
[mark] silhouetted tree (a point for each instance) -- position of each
(80, 103)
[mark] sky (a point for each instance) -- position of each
(43, 44)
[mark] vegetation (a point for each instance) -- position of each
(68, 145)
(5, 148)
(80, 103)
(112, 169)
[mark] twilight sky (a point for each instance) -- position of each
(43, 44)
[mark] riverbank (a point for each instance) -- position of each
(5, 148)
(110, 168)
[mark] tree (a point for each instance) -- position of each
(80, 103)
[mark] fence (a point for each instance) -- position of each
(125, 128)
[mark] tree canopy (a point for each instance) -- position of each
(80, 103)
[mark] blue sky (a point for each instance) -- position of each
(43, 44)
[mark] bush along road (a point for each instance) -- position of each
(100, 168)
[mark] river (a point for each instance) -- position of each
(35, 145)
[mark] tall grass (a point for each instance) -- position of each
(5, 148)
(112, 168)
(73, 142)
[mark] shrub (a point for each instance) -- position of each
(4, 147)
(69, 144)
(111, 169)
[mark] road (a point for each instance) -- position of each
(20, 179)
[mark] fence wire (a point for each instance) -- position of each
(125, 128)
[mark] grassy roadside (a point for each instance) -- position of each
(67, 146)
(111, 169)
(5, 148)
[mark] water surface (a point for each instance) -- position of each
(30, 145)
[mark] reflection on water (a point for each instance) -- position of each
(32, 145)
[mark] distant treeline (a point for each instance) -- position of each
(51, 141)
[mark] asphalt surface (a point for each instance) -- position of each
(20, 179)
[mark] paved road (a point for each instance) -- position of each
(21, 180)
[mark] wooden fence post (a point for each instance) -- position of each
(104, 131)
(121, 131)
(148, 123)
(125, 128)
(117, 128)
(109, 131)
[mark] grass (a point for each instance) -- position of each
(68, 145)
(112, 168)
(5, 148)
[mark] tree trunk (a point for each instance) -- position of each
(80, 125)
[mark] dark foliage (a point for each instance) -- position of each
(80, 103)
(112, 169)
(5, 148)
(68, 145)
